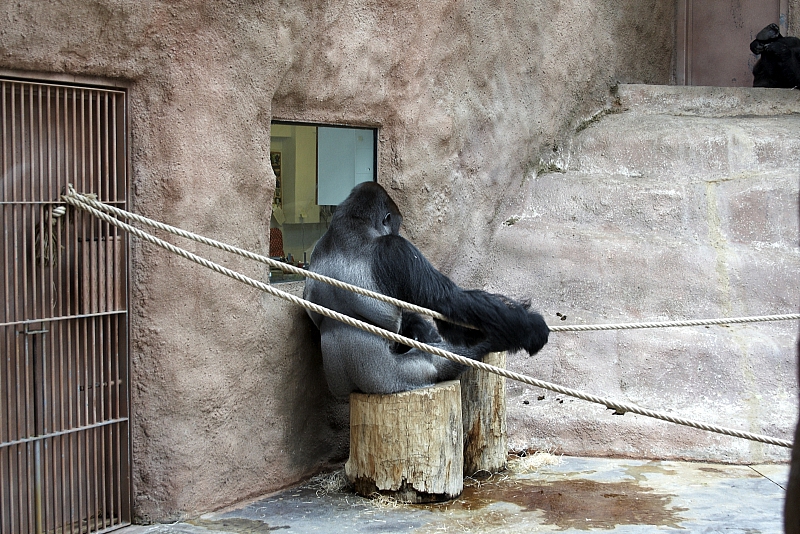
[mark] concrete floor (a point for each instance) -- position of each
(554, 494)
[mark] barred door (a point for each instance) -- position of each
(64, 436)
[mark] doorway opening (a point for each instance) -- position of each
(64, 403)
(713, 39)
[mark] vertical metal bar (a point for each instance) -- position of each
(25, 431)
(97, 324)
(83, 459)
(71, 408)
(85, 435)
(42, 416)
(64, 406)
(108, 271)
(112, 178)
(6, 282)
(689, 42)
(41, 269)
(70, 176)
(105, 381)
(123, 359)
(53, 405)
(81, 150)
(37, 281)
(89, 281)
(69, 149)
(57, 144)
(38, 487)
(21, 414)
(117, 414)
(6, 464)
(115, 357)
(36, 153)
(5, 196)
(24, 401)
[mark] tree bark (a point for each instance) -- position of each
(408, 446)
(483, 398)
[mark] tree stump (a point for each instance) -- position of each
(483, 410)
(408, 446)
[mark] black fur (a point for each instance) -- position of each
(414, 326)
(779, 64)
(363, 247)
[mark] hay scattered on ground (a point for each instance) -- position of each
(530, 462)
(519, 463)
(383, 502)
(327, 483)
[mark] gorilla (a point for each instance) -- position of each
(779, 64)
(363, 247)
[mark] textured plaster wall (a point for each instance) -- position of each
(681, 211)
(473, 99)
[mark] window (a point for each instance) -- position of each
(315, 169)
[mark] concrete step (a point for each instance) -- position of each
(707, 101)
(648, 244)
(667, 145)
(749, 208)
(690, 132)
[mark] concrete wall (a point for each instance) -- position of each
(680, 204)
(472, 100)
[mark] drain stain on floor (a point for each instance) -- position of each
(576, 503)
(235, 524)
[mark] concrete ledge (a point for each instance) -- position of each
(708, 101)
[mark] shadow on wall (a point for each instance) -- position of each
(317, 432)
(792, 505)
(791, 511)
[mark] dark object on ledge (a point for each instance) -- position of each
(779, 64)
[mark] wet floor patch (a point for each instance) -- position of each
(236, 525)
(572, 496)
(576, 503)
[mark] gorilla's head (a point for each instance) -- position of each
(768, 35)
(370, 205)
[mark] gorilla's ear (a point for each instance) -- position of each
(392, 221)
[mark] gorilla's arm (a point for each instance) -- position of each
(400, 270)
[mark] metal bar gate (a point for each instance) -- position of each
(64, 434)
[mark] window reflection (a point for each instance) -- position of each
(315, 168)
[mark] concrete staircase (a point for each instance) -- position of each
(678, 202)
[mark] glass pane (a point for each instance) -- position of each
(315, 169)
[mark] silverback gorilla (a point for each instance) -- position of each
(363, 247)
(779, 64)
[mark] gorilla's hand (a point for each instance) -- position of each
(527, 331)
(503, 324)
(538, 332)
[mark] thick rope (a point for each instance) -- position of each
(619, 407)
(666, 324)
(285, 267)
(93, 202)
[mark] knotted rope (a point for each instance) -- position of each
(88, 205)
